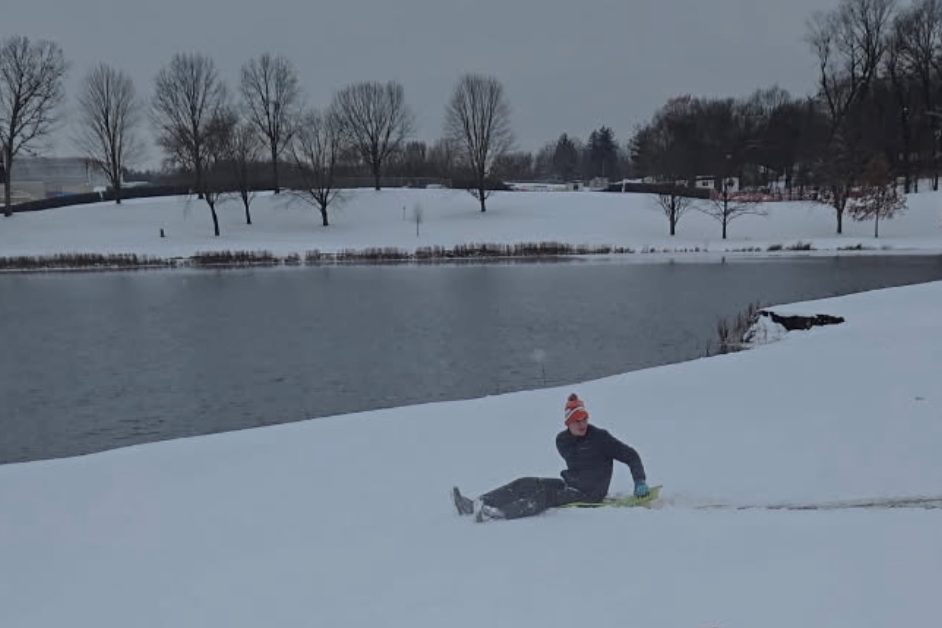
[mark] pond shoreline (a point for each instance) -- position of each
(540, 252)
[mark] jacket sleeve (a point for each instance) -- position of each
(563, 445)
(627, 455)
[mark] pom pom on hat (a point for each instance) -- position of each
(575, 409)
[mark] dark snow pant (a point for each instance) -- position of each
(526, 497)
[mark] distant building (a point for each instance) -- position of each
(35, 178)
(711, 182)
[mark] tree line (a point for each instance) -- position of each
(874, 118)
(218, 140)
(873, 121)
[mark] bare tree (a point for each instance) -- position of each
(879, 197)
(514, 166)
(661, 150)
(673, 205)
(109, 112)
(316, 149)
(897, 71)
(375, 120)
(443, 157)
(31, 91)
(478, 119)
(188, 96)
(919, 37)
(849, 42)
(271, 95)
(244, 150)
(218, 140)
(725, 208)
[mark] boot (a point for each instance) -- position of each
(464, 505)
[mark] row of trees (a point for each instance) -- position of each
(367, 123)
(567, 158)
(218, 141)
(875, 110)
(874, 117)
(193, 113)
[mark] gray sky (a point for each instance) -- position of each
(566, 66)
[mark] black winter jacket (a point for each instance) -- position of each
(589, 461)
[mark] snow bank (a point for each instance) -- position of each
(763, 331)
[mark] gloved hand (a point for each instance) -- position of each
(641, 489)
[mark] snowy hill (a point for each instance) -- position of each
(346, 521)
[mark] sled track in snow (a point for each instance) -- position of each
(883, 503)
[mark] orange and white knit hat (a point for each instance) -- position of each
(575, 409)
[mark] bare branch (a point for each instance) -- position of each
(850, 42)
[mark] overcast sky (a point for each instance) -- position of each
(567, 66)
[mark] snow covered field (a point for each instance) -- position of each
(346, 521)
(365, 218)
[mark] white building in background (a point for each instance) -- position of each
(36, 178)
(712, 182)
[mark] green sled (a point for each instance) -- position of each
(620, 502)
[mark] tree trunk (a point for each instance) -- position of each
(840, 220)
(212, 209)
(199, 185)
(324, 215)
(7, 192)
(375, 167)
(907, 169)
(274, 172)
(117, 190)
(198, 173)
(904, 131)
(724, 228)
(673, 221)
(933, 160)
(482, 196)
(876, 225)
(245, 201)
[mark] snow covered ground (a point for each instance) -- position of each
(346, 521)
(366, 218)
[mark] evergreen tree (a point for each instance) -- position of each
(602, 153)
(565, 158)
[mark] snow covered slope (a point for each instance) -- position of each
(366, 218)
(346, 521)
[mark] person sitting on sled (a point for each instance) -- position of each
(589, 453)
